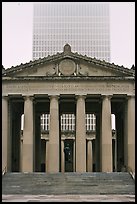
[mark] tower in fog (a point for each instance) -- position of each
(83, 25)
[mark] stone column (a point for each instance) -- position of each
(89, 156)
(53, 147)
(106, 139)
(21, 152)
(97, 142)
(28, 140)
(62, 157)
(4, 132)
(74, 164)
(37, 152)
(80, 135)
(46, 157)
(131, 132)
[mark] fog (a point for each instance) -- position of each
(17, 33)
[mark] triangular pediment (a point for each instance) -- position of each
(68, 64)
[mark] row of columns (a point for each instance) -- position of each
(80, 144)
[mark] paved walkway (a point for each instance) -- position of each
(68, 198)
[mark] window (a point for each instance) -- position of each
(45, 122)
(90, 122)
(67, 122)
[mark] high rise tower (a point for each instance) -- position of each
(83, 25)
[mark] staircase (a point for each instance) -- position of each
(96, 183)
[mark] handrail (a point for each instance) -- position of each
(4, 170)
(132, 173)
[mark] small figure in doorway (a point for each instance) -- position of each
(67, 153)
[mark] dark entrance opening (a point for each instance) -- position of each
(43, 155)
(16, 106)
(68, 155)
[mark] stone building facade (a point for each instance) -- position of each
(68, 83)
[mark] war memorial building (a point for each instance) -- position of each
(64, 102)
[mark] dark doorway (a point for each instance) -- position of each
(16, 109)
(68, 155)
(43, 155)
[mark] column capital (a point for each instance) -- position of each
(103, 96)
(5, 97)
(130, 96)
(89, 139)
(54, 96)
(80, 97)
(28, 97)
(62, 139)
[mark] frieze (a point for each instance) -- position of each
(48, 88)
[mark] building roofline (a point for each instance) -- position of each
(69, 54)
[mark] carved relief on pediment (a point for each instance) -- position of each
(32, 71)
(67, 67)
(51, 71)
(83, 70)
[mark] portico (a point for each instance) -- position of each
(69, 89)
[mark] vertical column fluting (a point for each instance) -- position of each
(28, 138)
(53, 146)
(80, 135)
(106, 138)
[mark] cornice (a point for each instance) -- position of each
(70, 78)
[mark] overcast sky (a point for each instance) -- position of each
(17, 33)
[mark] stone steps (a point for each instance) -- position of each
(96, 183)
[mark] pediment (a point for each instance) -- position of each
(38, 70)
(98, 70)
(70, 65)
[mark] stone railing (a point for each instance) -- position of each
(4, 170)
(132, 173)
